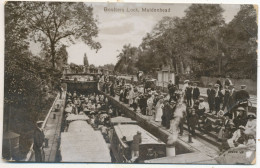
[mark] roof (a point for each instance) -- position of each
(121, 120)
(72, 117)
(194, 157)
(83, 144)
(129, 130)
(79, 126)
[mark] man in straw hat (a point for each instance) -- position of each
(218, 98)
(38, 139)
(188, 94)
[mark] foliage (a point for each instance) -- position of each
(85, 60)
(126, 59)
(200, 41)
(240, 39)
(109, 67)
(52, 22)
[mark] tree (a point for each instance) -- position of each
(127, 59)
(240, 39)
(61, 57)
(52, 22)
(201, 30)
(85, 61)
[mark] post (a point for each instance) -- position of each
(170, 145)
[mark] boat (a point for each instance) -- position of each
(150, 147)
(81, 143)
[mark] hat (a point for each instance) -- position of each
(241, 127)
(210, 84)
(216, 85)
(195, 84)
(240, 109)
(186, 81)
(231, 86)
(201, 99)
(251, 116)
(138, 132)
(243, 86)
(39, 122)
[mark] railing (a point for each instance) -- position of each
(30, 153)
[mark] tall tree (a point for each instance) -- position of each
(202, 24)
(85, 61)
(240, 39)
(53, 22)
(127, 59)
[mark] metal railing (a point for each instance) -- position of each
(30, 153)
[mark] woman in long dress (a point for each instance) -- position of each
(159, 111)
(149, 105)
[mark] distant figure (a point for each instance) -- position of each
(226, 97)
(137, 139)
(211, 97)
(218, 98)
(188, 94)
(196, 92)
(250, 128)
(193, 121)
(159, 112)
(177, 81)
(171, 90)
(149, 105)
(231, 101)
(219, 84)
(242, 97)
(61, 91)
(38, 139)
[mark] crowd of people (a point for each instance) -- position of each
(225, 112)
(95, 106)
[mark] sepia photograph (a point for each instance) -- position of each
(130, 83)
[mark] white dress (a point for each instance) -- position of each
(159, 112)
(250, 128)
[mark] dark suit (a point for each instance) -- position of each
(193, 121)
(188, 93)
(196, 93)
(218, 101)
(226, 99)
(38, 139)
(211, 99)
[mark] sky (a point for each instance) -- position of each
(119, 28)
